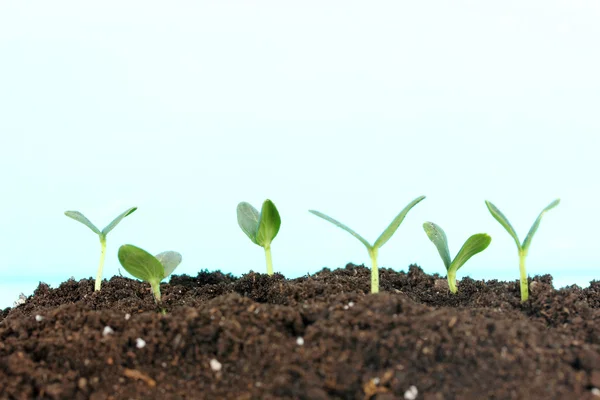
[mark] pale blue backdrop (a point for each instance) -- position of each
(352, 108)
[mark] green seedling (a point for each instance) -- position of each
(260, 228)
(77, 216)
(373, 249)
(149, 268)
(475, 244)
(523, 248)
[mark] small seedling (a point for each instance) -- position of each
(373, 249)
(475, 244)
(260, 228)
(149, 268)
(523, 248)
(77, 216)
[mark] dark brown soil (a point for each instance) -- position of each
(317, 337)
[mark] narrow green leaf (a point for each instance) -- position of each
(497, 214)
(475, 244)
(115, 221)
(169, 260)
(269, 222)
(344, 227)
(438, 237)
(140, 263)
(247, 217)
(536, 224)
(77, 216)
(391, 229)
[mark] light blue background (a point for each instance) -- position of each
(352, 108)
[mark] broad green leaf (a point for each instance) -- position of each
(475, 244)
(169, 260)
(269, 222)
(141, 264)
(536, 224)
(115, 221)
(344, 227)
(439, 239)
(247, 217)
(497, 214)
(77, 216)
(391, 229)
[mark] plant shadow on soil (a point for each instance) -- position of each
(316, 337)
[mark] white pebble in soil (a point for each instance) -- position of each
(140, 343)
(215, 365)
(300, 341)
(411, 393)
(127, 316)
(596, 392)
(107, 331)
(39, 318)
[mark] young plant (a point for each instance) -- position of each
(149, 268)
(523, 248)
(260, 228)
(475, 244)
(373, 249)
(77, 216)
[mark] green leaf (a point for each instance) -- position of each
(77, 216)
(344, 227)
(140, 263)
(391, 229)
(536, 224)
(439, 239)
(269, 222)
(115, 221)
(475, 244)
(247, 217)
(169, 260)
(497, 214)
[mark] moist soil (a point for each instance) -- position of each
(322, 336)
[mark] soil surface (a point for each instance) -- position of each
(317, 337)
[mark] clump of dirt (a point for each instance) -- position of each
(321, 336)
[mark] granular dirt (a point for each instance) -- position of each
(317, 337)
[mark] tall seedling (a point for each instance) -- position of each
(260, 228)
(524, 247)
(373, 249)
(77, 216)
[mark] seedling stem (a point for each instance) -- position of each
(373, 252)
(524, 283)
(101, 266)
(269, 260)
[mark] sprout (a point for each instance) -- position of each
(260, 228)
(523, 248)
(149, 268)
(77, 216)
(381, 240)
(475, 244)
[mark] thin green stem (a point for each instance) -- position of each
(101, 266)
(156, 291)
(269, 260)
(374, 270)
(452, 281)
(524, 283)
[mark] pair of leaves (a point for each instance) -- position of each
(475, 244)
(145, 266)
(387, 233)
(77, 216)
(260, 228)
(497, 214)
